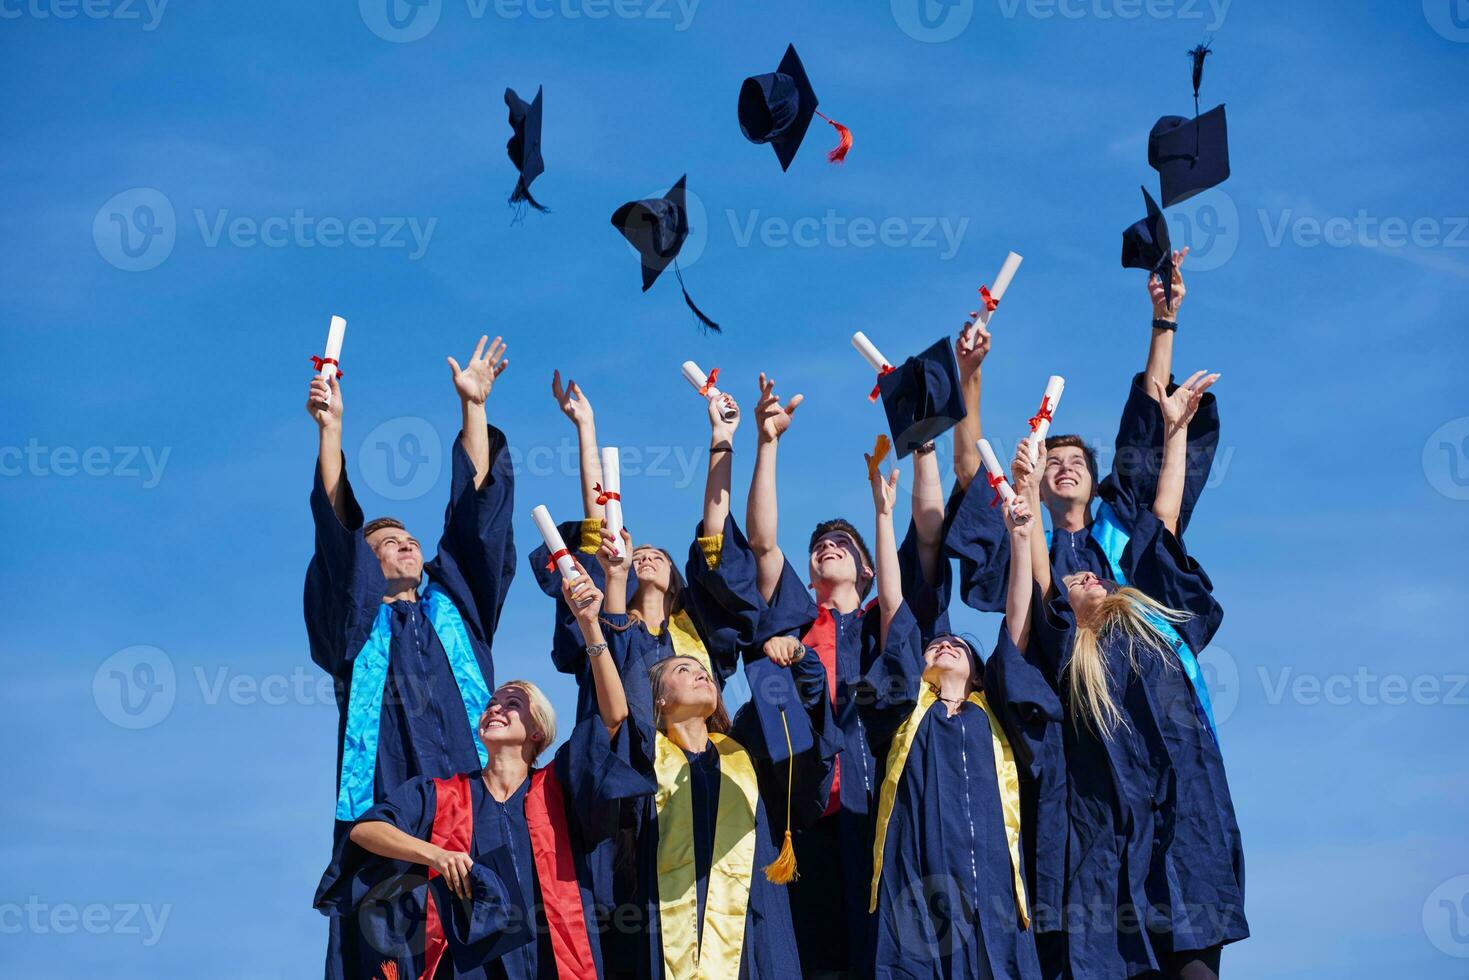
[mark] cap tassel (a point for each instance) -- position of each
(839, 154)
(389, 970)
(521, 196)
(1199, 53)
(707, 323)
(782, 871)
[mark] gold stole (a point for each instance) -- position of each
(714, 955)
(1007, 776)
(686, 640)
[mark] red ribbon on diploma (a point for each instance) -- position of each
(1042, 415)
(887, 369)
(604, 495)
(321, 362)
(551, 562)
(708, 383)
(995, 481)
(990, 302)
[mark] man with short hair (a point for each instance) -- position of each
(413, 670)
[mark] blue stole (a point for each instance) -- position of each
(1107, 531)
(370, 678)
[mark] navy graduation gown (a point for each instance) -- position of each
(358, 882)
(977, 535)
(770, 950)
(1154, 859)
(633, 646)
(946, 899)
(423, 728)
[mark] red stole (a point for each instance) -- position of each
(453, 830)
(821, 636)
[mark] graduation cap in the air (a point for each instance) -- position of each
(777, 107)
(1145, 245)
(922, 397)
(1190, 155)
(525, 145)
(490, 923)
(657, 227)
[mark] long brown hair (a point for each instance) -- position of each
(1131, 616)
(717, 722)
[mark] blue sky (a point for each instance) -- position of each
(170, 749)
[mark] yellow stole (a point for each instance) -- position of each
(714, 954)
(1007, 775)
(686, 640)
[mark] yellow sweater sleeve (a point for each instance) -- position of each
(713, 548)
(591, 536)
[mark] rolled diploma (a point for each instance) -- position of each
(696, 377)
(987, 454)
(552, 537)
(869, 353)
(334, 335)
(997, 291)
(612, 484)
(1054, 387)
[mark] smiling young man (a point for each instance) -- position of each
(413, 670)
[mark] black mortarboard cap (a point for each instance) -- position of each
(777, 108)
(1190, 155)
(922, 397)
(493, 921)
(524, 147)
(1146, 245)
(778, 708)
(657, 227)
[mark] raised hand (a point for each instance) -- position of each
(570, 399)
(326, 416)
(1018, 518)
(971, 357)
(771, 416)
(613, 564)
(474, 381)
(1161, 309)
(1025, 476)
(784, 650)
(1179, 407)
(884, 489)
(720, 430)
(582, 596)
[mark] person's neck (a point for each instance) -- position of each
(401, 590)
(690, 734)
(1071, 515)
(842, 596)
(651, 604)
(952, 690)
(506, 769)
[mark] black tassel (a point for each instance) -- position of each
(707, 324)
(521, 196)
(1199, 54)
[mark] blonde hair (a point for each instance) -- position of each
(717, 722)
(541, 712)
(1133, 617)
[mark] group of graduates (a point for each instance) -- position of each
(889, 803)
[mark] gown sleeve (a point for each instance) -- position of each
(807, 774)
(888, 690)
(344, 581)
(977, 537)
(1027, 704)
(1052, 626)
(599, 772)
(476, 559)
(722, 597)
(928, 601)
(355, 871)
(1159, 565)
(1133, 482)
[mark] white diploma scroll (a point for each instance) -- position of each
(564, 562)
(610, 495)
(704, 386)
(996, 476)
(995, 293)
(1040, 424)
(330, 365)
(869, 352)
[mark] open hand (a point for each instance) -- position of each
(474, 381)
(884, 490)
(570, 399)
(1179, 407)
(771, 416)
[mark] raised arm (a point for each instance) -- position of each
(1159, 369)
(1178, 409)
(967, 433)
(721, 464)
(328, 420)
(1020, 523)
(1027, 482)
(473, 383)
(761, 510)
(928, 510)
(575, 406)
(889, 576)
(611, 697)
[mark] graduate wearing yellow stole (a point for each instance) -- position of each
(953, 738)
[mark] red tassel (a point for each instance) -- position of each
(840, 153)
(389, 970)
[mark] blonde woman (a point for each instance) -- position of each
(1155, 868)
